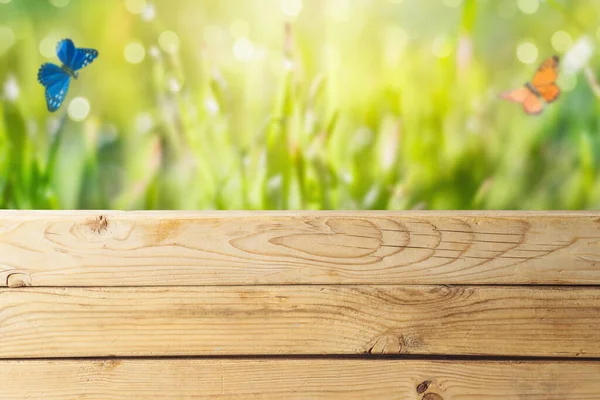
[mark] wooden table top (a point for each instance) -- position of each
(299, 305)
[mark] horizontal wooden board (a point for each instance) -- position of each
(298, 379)
(296, 319)
(232, 248)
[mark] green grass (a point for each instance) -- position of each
(348, 108)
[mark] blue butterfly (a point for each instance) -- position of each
(56, 79)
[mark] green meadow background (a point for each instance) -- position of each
(300, 104)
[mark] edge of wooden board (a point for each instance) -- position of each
(300, 320)
(115, 248)
(261, 213)
(283, 379)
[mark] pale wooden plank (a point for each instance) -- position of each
(232, 248)
(295, 319)
(298, 379)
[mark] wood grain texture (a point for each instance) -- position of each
(297, 379)
(232, 248)
(295, 320)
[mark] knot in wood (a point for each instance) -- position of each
(94, 228)
(432, 396)
(423, 386)
(18, 279)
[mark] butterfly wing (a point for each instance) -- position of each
(549, 92)
(49, 74)
(531, 102)
(544, 80)
(547, 73)
(518, 95)
(82, 58)
(56, 81)
(65, 50)
(56, 92)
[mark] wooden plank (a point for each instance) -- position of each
(296, 319)
(233, 248)
(133, 379)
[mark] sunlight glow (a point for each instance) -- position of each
(395, 41)
(48, 46)
(528, 6)
(148, 13)
(79, 108)
(134, 53)
(567, 82)
(243, 49)
(527, 52)
(561, 41)
(239, 28)
(11, 89)
(578, 55)
(339, 10)
(291, 8)
(169, 42)
(173, 85)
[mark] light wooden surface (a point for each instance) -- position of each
(243, 248)
(296, 319)
(298, 379)
(227, 305)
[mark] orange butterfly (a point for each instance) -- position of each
(542, 87)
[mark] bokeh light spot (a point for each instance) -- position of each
(567, 82)
(211, 105)
(527, 52)
(243, 49)
(173, 84)
(452, 3)
(578, 55)
(135, 6)
(7, 39)
(48, 46)
(154, 52)
(59, 3)
(79, 108)
(213, 34)
(134, 53)
(561, 41)
(528, 6)
(291, 8)
(339, 10)
(148, 13)
(239, 28)
(144, 122)
(441, 47)
(169, 42)
(11, 89)
(395, 42)
(5, 1)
